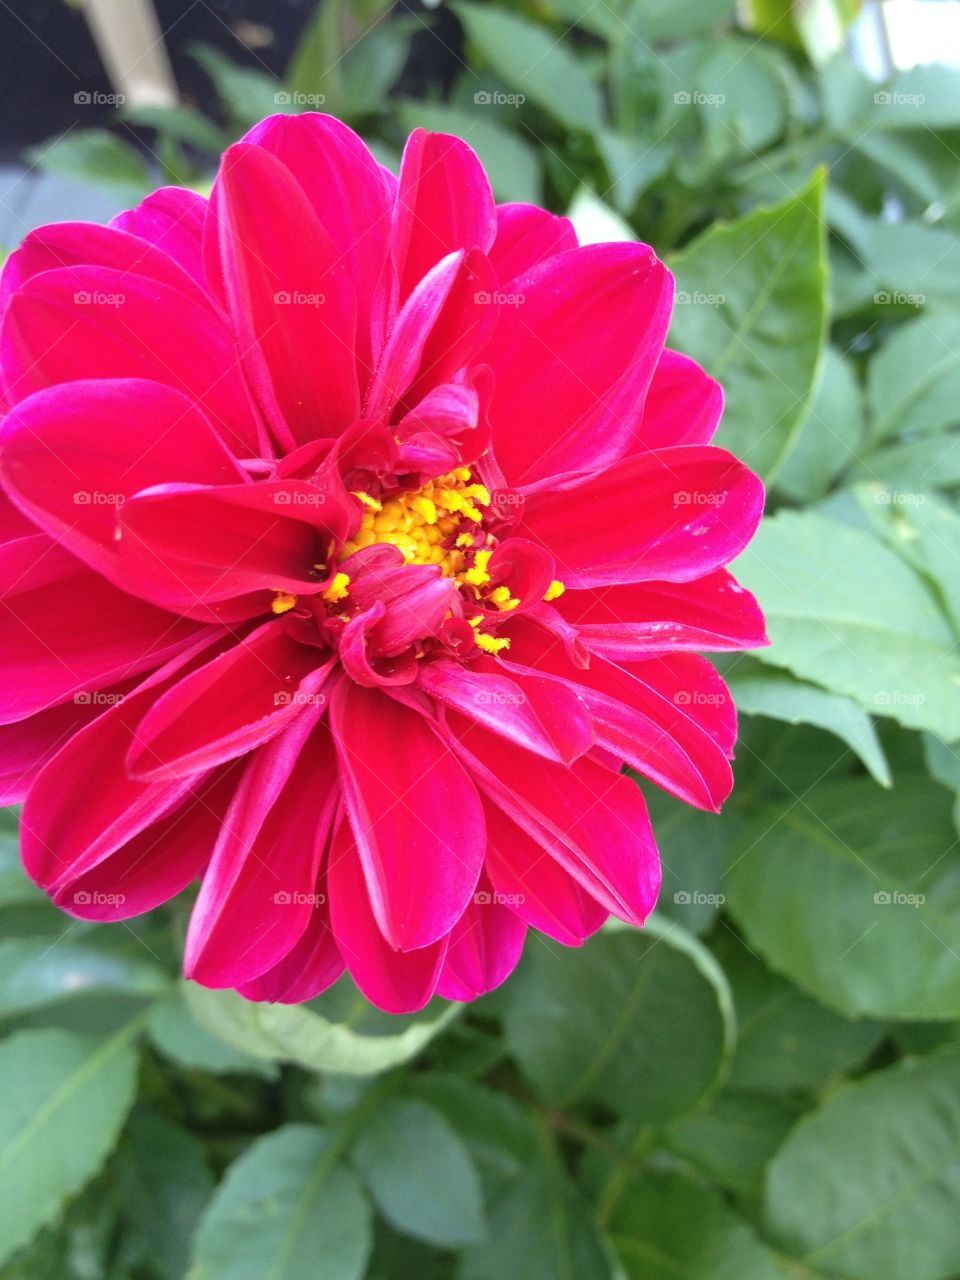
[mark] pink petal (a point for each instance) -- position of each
(644, 619)
(396, 981)
(444, 203)
(535, 885)
(26, 746)
(313, 963)
(683, 405)
(70, 457)
(259, 891)
(574, 357)
(527, 236)
(290, 295)
(240, 699)
(98, 322)
(66, 631)
(485, 945)
(677, 514)
(172, 219)
(415, 814)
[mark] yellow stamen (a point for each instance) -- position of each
(338, 588)
(283, 602)
(502, 598)
(555, 590)
(491, 644)
(371, 503)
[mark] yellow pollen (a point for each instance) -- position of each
(367, 501)
(555, 590)
(283, 602)
(502, 598)
(477, 575)
(338, 588)
(491, 644)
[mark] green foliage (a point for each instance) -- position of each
(764, 1082)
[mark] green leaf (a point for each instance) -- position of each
(667, 1226)
(786, 1040)
(693, 852)
(286, 1210)
(850, 894)
(533, 62)
(93, 155)
(639, 1019)
(248, 95)
(164, 1183)
(510, 163)
(913, 382)
(752, 308)
(183, 123)
(869, 1185)
(177, 1034)
(594, 222)
(420, 1174)
(760, 692)
(16, 887)
(359, 1042)
(830, 435)
(64, 1101)
(35, 972)
(845, 612)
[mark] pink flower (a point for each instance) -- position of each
(359, 530)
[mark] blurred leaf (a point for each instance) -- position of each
(296, 1033)
(64, 1101)
(183, 123)
(741, 99)
(420, 1174)
(510, 163)
(693, 846)
(668, 1226)
(869, 1185)
(16, 887)
(854, 895)
(177, 1034)
(751, 307)
(760, 692)
(830, 435)
(632, 164)
(845, 612)
(785, 1039)
(594, 222)
(641, 1020)
(93, 155)
(248, 95)
(37, 971)
(534, 62)
(164, 1183)
(286, 1209)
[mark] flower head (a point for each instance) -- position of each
(359, 531)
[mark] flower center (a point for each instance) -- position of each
(441, 523)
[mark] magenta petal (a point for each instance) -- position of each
(395, 981)
(683, 406)
(444, 203)
(71, 456)
(292, 301)
(535, 885)
(415, 814)
(97, 322)
(573, 358)
(65, 631)
(644, 619)
(676, 514)
(260, 889)
(313, 963)
(240, 699)
(172, 219)
(527, 236)
(27, 745)
(485, 945)
(593, 821)
(540, 715)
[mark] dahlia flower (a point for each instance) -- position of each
(359, 531)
